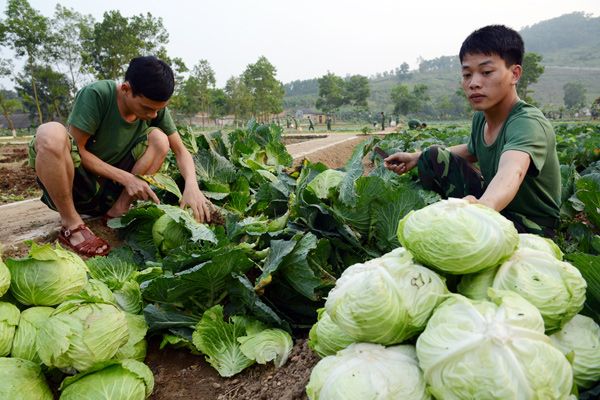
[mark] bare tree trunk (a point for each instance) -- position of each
(35, 94)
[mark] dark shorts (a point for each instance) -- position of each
(452, 176)
(93, 195)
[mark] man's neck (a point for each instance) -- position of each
(125, 112)
(495, 116)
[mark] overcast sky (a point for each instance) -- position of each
(305, 39)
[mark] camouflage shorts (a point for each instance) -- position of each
(92, 194)
(451, 176)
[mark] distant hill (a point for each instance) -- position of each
(569, 45)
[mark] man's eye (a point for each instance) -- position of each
(465, 76)
(485, 73)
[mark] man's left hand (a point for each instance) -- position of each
(195, 199)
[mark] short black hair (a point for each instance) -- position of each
(150, 77)
(495, 39)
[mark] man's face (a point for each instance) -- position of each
(487, 80)
(144, 108)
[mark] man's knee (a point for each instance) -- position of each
(158, 141)
(51, 137)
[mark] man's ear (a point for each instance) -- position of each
(125, 87)
(516, 70)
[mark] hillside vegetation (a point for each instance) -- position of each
(569, 46)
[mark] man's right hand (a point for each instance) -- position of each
(401, 163)
(139, 189)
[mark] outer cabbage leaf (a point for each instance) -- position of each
(9, 319)
(136, 345)
(326, 338)
(458, 237)
(368, 371)
(581, 336)
(267, 345)
(23, 380)
(217, 339)
(485, 350)
(4, 278)
(535, 242)
(25, 341)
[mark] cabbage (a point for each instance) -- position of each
(484, 350)
(22, 380)
(136, 345)
(47, 276)
(385, 300)
(267, 345)
(325, 184)
(581, 336)
(123, 380)
(555, 287)
(78, 335)
(9, 319)
(4, 278)
(368, 371)
(458, 237)
(325, 337)
(535, 242)
(25, 342)
(169, 234)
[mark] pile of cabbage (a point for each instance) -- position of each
(467, 308)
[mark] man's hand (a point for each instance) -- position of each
(195, 199)
(401, 163)
(474, 200)
(138, 189)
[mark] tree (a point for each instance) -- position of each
(204, 76)
(267, 92)
(532, 70)
(69, 28)
(54, 91)
(9, 104)
(331, 93)
(357, 91)
(595, 108)
(218, 104)
(26, 32)
(239, 99)
(112, 43)
(405, 101)
(574, 95)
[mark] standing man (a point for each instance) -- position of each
(114, 132)
(513, 142)
(382, 121)
(328, 121)
(311, 127)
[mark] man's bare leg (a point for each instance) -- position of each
(54, 167)
(148, 164)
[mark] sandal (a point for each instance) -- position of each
(90, 245)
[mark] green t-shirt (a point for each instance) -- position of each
(527, 130)
(95, 112)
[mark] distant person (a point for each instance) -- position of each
(328, 122)
(287, 122)
(512, 141)
(311, 127)
(295, 123)
(382, 121)
(414, 124)
(115, 132)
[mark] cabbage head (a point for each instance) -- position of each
(535, 242)
(458, 237)
(46, 276)
(325, 337)
(122, 380)
(4, 278)
(25, 342)
(368, 371)
(385, 300)
(22, 380)
(581, 336)
(78, 335)
(325, 185)
(491, 350)
(264, 345)
(169, 234)
(9, 319)
(555, 287)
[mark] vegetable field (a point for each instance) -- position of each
(304, 261)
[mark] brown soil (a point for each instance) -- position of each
(178, 373)
(17, 181)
